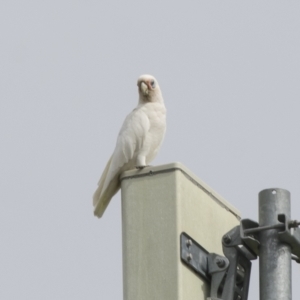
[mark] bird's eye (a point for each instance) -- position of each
(153, 84)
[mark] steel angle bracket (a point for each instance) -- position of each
(194, 256)
(209, 266)
(290, 236)
(250, 241)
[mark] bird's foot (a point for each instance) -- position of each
(141, 167)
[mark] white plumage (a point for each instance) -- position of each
(138, 142)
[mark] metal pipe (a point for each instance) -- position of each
(274, 256)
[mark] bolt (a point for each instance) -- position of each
(220, 262)
(296, 258)
(189, 243)
(227, 239)
(189, 257)
(294, 224)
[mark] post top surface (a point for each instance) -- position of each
(177, 166)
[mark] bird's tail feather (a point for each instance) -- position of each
(104, 197)
(101, 181)
(105, 191)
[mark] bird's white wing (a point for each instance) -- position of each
(130, 140)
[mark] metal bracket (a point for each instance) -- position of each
(236, 249)
(210, 266)
(217, 268)
(290, 235)
(229, 276)
(194, 255)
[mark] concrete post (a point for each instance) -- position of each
(158, 204)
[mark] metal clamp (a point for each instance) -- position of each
(290, 235)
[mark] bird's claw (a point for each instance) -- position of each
(141, 167)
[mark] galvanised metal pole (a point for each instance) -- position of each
(274, 256)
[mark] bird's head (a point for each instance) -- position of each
(149, 90)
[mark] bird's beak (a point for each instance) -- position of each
(144, 88)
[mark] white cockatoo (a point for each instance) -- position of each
(138, 142)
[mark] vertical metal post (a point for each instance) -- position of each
(274, 256)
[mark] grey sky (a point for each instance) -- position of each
(229, 72)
